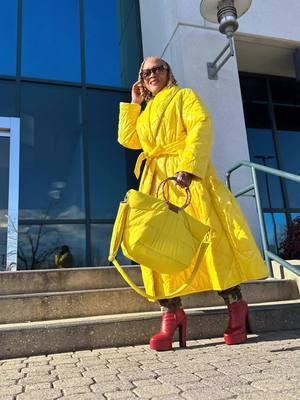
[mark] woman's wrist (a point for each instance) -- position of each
(184, 179)
(135, 102)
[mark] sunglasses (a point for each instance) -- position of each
(146, 73)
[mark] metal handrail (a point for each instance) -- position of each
(254, 186)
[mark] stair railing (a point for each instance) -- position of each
(268, 255)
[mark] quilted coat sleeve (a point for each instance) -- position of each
(127, 135)
(197, 122)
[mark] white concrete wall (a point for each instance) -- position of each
(273, 18)
(175, 30)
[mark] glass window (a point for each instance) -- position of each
(276, 224)
(51, 39)
(51, 181)
(112, 42)
(261, 149)
(261, 139)
(287, 118)
(257, 116)
(101, 43)
(288, 124)
(285, 91)
(289, 144)
(290, 244)
(254, 89)
(38, 246)
(100, 238)
(130, 41)
(107, 161)
(8, 99)
(8, 36)
(3, 246)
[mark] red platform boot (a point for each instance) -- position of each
(238, 324)
(162, 341)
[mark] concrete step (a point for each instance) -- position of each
(26, 339)
(85, 303)
(51, 280)
(76, 279)
(284, 273)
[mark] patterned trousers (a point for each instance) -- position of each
(231, 295)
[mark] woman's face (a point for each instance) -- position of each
(155, 74)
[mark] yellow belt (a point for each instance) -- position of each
(158, 151)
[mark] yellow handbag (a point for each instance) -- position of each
(159, 235)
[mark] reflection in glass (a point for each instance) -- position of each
(51, 181)
(289, 150)
(107, 161)
(39, 244)
(100, 238)
(283, 237)
(101, 43)
(4, 178)
(288, 124)
(130, 41)
(8, 99)
(262, 151)
(276, 224)
(51, 39)
(8, 36)
(112, 42)
(3, 245)
(290, 240)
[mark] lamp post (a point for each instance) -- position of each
(226, 13)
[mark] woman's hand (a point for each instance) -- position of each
(184, 179)
(136, 93)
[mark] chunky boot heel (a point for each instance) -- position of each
(182, 334)
(248, 326)
(162, 341)
(238, 324)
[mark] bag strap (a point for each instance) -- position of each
(116, 242)
(177, 292)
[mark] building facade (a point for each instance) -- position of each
(66, 66)
(255, 101)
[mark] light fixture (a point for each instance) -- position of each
(226, 13)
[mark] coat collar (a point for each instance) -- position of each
(157, 106)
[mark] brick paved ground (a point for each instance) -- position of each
(266, 367)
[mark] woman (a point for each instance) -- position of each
(64, 258)
(174, 131)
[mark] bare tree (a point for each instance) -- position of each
(33, 243)
(31, 251)
(290, 245)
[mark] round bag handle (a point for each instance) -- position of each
(162, 186)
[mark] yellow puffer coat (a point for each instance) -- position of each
(175, 134)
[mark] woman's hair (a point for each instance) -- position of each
(145, 92)
(64, 249)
